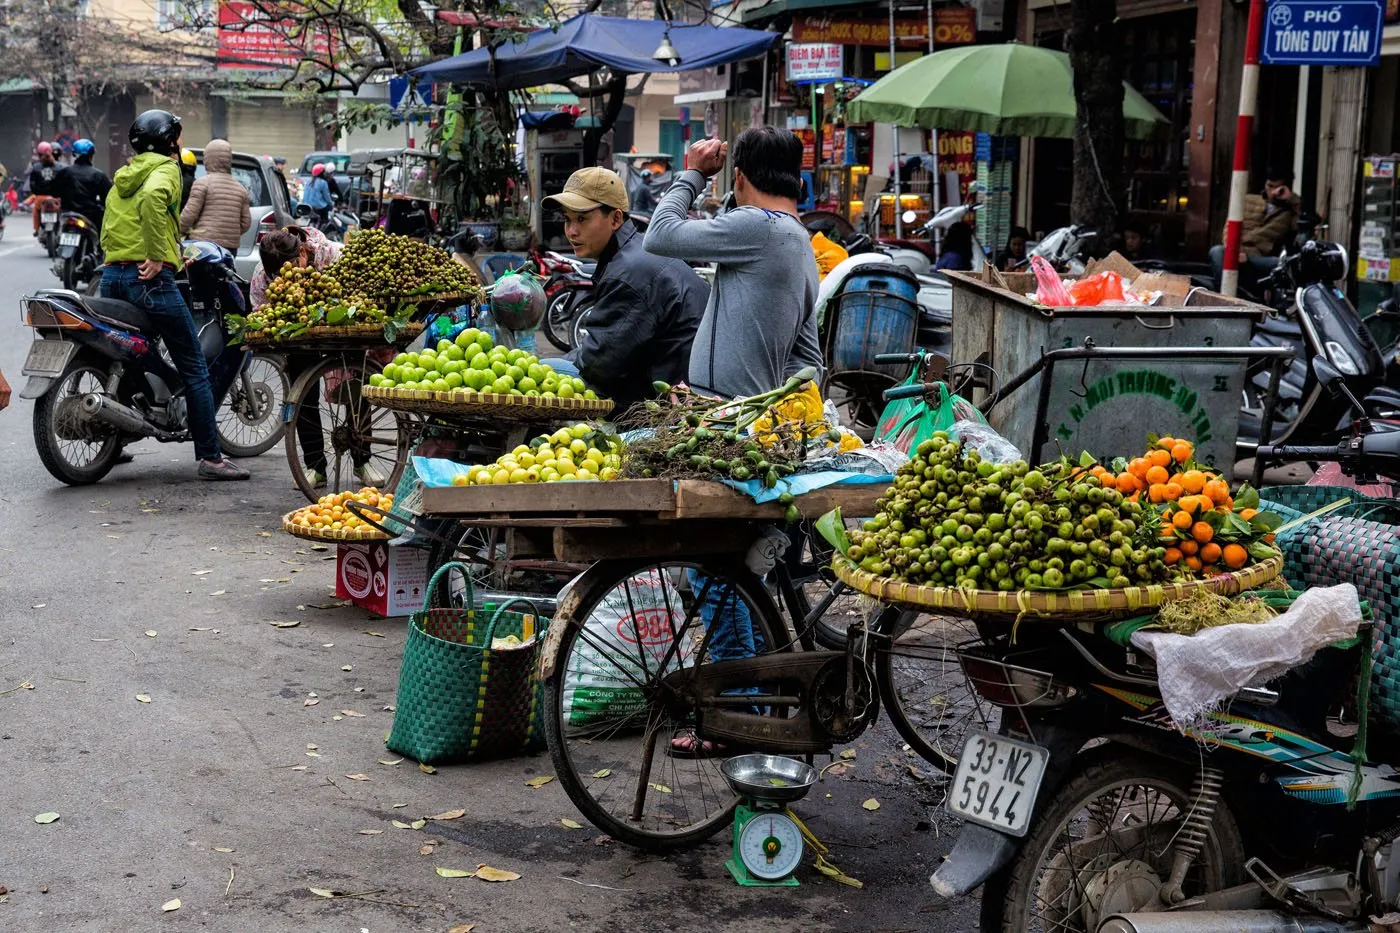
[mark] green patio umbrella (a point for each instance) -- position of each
(1008, 90)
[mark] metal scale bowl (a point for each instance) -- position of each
(767, 842)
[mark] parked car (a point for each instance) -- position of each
(271, 204)
(339, 163)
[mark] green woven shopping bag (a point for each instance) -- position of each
(1357, 543)
(460, 698)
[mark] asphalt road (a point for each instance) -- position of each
(155, 584)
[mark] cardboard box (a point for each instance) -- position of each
(388, 581)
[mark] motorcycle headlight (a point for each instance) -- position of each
(1342, 359)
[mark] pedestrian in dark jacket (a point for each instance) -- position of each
(645, 308)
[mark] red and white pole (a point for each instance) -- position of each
(1244, 135)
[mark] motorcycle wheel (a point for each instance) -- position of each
(1119, 810)
(51, 245)
(558, 317)
(240, 433)
(580, 313)
(929, 699)
(72, 451)
(70, 272)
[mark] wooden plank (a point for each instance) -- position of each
(700, 499)
(612, 497)
(686, 539)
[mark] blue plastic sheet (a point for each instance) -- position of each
(805, 482)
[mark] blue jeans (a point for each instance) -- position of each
(562, 366)
(160, 298)
(726, 618)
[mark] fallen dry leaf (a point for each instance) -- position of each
(417, 824)
(871, 804)
(848, 753)
(200, 628)
(449, 815)
(659, 788)
(390, 762)
(487, 873)
(40, 605)
(319, 547)
(427, 849)
(375, 634)
(540, 781)
(400, 824)
(453, 872)
(462, 928)
(142, 698)
(200, 573)
(46, 818)
(150, 633)
(346, 667)
(287, 623)
(311, 746)
(426, 769)
(351, 712)
(602, 772)
(171, 905)
(300, 767)
(310, 702)
(264, 534)
(324, 892)
(218, 593)
(358, 777)
(222, 849)
(370, 832)
(570, 824)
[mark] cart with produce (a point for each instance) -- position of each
(340, 325)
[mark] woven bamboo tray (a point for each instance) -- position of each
(1072, 606)
(385, 300)
(368, 333)
(327, 534)
(484, 404)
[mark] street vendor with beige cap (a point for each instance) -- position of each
(644, 308)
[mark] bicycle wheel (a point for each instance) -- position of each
(923, 687)
(619, 733)
(332, 431)
(822, 607)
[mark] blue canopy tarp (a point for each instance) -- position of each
(588, 41)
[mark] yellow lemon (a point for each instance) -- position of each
(501, 477)
(518, 475)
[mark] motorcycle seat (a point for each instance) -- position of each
(122, 312)
(588, 268)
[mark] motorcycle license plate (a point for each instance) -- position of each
(996, 781)
(69, 239)
(48, 358)
(48, 218)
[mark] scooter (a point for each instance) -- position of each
(79, 256)
(568, 283)
(1320, 324)
(48, 224)
(100, 378)
(1089, 811)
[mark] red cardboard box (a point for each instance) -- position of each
(388, 581)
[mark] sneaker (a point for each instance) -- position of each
(318, 479)
(221, 469)
(370, 475)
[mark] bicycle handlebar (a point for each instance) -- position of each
(904, 392)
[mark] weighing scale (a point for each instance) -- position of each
(767, 842)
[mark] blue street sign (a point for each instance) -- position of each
(1315, 32)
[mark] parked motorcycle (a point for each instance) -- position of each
(101, 380)
(568, 283)
(79, 258)
(1318, 322)
(1090, 812)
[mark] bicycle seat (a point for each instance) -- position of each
(122, 312)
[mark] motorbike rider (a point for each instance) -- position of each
(645, 308)
(41, 173)
(82, 186)
(188, 164)
(218, 208)
(318, 195)
(141, 240)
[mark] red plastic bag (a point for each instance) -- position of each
(1097, 289)
(1049, 289)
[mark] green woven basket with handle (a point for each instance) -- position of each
(460, 698)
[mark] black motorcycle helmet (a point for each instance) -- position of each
(156, 131)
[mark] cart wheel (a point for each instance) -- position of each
(612, 719)
(476, 548)
(362, 445)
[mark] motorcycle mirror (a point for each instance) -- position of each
(909, 217)
(1325, 372)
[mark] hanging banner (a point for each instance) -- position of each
(957, 152)
(1311, 32)
(248, 38)
(951, 26)
(813, 61)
